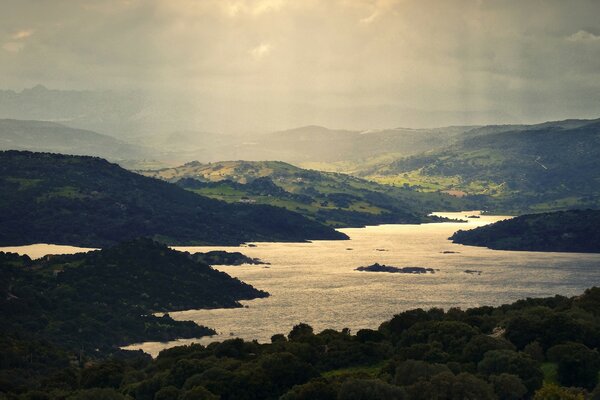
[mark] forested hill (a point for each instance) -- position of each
(99, 300)
(546, 167)
(86, 201)
(566, 231)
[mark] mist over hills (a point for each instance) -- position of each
(53, 137)
(102, 111)
(523, 168)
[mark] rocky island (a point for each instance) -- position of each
(395, 270)
(220, 257)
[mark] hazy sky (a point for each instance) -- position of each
(271, 64)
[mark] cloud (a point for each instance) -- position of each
(22, 34)
(337, 56)
(253, 8)
(583, 36)
(260, 51)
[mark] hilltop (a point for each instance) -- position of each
(86, 201)
(335, 199)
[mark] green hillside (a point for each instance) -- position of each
(335, 199)
(545, 167)
(52, 198)
(568, 231)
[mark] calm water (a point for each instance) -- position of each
(316, 282)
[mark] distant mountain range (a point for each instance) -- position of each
(334, 199)
(104, 111)
(53, 137)
(85, 201)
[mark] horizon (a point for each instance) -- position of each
(40, 86)
(267, 65)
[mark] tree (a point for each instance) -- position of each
(496, 362)
(577, 364)
(481, 344)
(411, 371)
(313, 390)
(551, 391)
(446, 385)
(369, 389)
(199, 393)
(508, 387)
(167, 393)
(300, 332)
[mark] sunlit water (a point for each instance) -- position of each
(316, 282)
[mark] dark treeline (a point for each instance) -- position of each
(568, 231)
(534, 348)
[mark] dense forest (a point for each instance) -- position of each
(86, 201)
(63, 318)
(94, 302)
(566, 231)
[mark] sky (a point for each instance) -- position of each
(233, 65)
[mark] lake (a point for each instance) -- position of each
(316, 282)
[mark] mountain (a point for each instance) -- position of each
(319, 144)
(45, 136)
(335, 199)
(101, 111)
(543, 167)
(97, 301)
(565, 231)
(86, 201)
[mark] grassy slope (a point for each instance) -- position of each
(50, 198)
(543, 168)
(336, 199)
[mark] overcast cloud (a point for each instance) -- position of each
(272, 64)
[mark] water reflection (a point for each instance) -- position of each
(316, 282)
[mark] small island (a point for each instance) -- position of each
(395, 270)
(220, 257)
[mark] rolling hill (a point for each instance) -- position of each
(335, 199)
(543, 167)
(86, 201)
